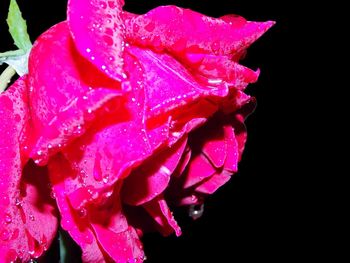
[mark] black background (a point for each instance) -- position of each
(259, 214)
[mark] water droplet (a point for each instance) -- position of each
(194, 198)
(136, 28)
(31, 217)
(82, 212)
(196, 211)
(53, 195)
(103, 67)
(103, 5)
(18, 202)
(39, 152)
(5, 235)
(43, 242)
(150, 27)
(88, 238)
(88, 50)
(105, 179)
(215, 47)
(8, 219)
(108, 40)
(66, 224)
(215, 81)
(112, 4)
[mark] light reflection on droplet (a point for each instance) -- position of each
(196, 211)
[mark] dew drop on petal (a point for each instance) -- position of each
(53, 195)
(18, 203)
(8, 219)
(5, 235)
(82, 212)
(196, 211)
(103, 5)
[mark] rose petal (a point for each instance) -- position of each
(171, 28)
(111, 148)
(213, 183)
(232, 159)
(100, 228)
(75, 222)
(161, 213)
(64, 95)
(198, 169)
(98, 33)
(237, 122)
(28, 220)
(217, 69)
(169, 85)
(122, 247)
(153, 176)
(213, 144)
(116, 237)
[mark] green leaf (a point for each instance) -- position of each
(18, 27)
(11, 53)
(17, 59)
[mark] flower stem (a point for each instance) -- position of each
(6, 77)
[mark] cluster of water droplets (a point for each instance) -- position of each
(105, 30)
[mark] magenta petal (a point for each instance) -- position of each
(171, 28)
(198, 169)
(213, 183)
(161, 213)
(214, 146)
(169, 85)
(98, 32)
(122, 247)
(183, 163)
(237, 121)
(64, 96)
(221, 68)
(27, 213)
(119, 240)
(231, 162)
(109, 150)
(153, 176)
(75, 223)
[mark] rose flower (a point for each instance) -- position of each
(119, 116)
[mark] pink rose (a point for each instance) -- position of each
(119, 116)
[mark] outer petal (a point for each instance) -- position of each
(159, 210)
(172, 28)
(100, 229)
(153, 176)
(198, 169)
(169, 85)
(66, 91)
(217, 69)
(27, 213)
(98, 32)
(213, 183)
(109, 150)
